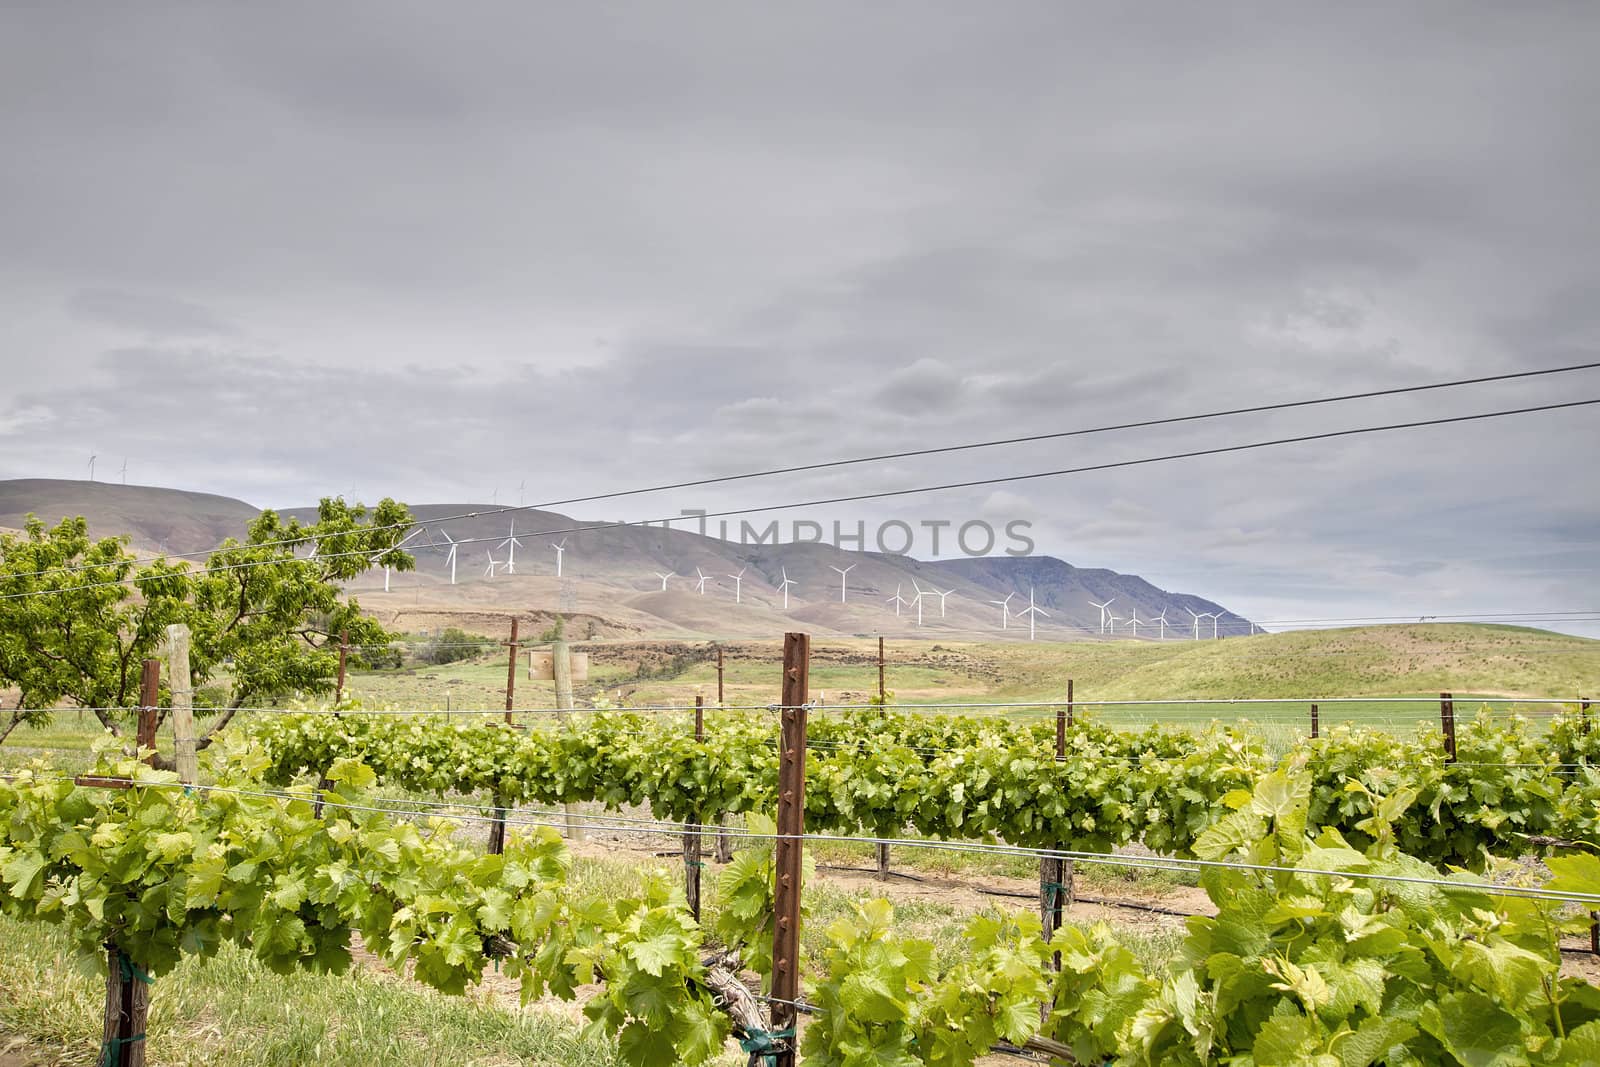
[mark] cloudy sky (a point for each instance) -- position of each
(441, 251)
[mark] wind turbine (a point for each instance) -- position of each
(1134, 622)
(511, 543)
(700, 586)
(488, 572)
(917, 600)
(124, 472)
(783, 587)
(562, 547)
(738, 585)
(1103, 612)
(664, 578)
(520, 487)
(941, 596)
(398, 544)
(450, 557)
(1031, 611)
(92, 458)
(842, 572)
(1197, 618)
(897, 600)
(1111, 621)
(1005, 610)
(1215, 615)
(1162, 619)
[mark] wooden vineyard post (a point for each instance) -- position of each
(561, 667)
(1071, 710)
(178, 680)
(497, 826)
(691, 829)
(1447, 722)
(344, 653)
(883, 711)
(791, 828)
(1055, 873)
(1583, 712)
(127, 1010)
(511, 669)
(724, 842)
(149, 707)
(1314, 724)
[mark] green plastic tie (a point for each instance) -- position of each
(130, 971)
(765, 1043)
(1056, 889)
(109, 1050)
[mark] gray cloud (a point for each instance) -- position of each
(434, 252)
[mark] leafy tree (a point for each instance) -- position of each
(77, 616)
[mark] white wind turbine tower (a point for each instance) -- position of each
(124, 472)
(941, 596)
(1162, 619)
(783, 587)
(1005, 610)
(897, 600)
(738, 585)
(1111, 623)
(1197, 618)
(1133, 621)
(1103, 612)
(398, 544)
(1215, 615)
(511, 544)
(450, 557)
(664, 578)
(917, 600)
(562, 547)
(700, 586)
(1031, 611)
(92, 457)
(842, 572)
(494, 565)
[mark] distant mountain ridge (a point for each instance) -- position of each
(614, 572)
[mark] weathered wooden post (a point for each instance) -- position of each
(561, 669)
(883, 711)
(182, 687)
(344, 652)
(149, 708)
(1447, 721)
(789, 846)
(692, 828)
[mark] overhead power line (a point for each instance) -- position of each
(917, 490)
(1054, 435)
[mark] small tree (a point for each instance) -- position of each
(78, 616)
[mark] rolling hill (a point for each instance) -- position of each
(612, 573)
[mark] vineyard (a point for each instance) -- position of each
(1349, 928)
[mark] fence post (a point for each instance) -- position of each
(1072, 717)
(149, 707)
(561, 667)
(791, 828)
(692, 828)
(1583, 712)
(127, 1010)
(511, 669)
(1314, 724)
(344, 651)
(724, 842)
(182, 687)
(1447, 720)
(1055, 873)
(883, 711)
